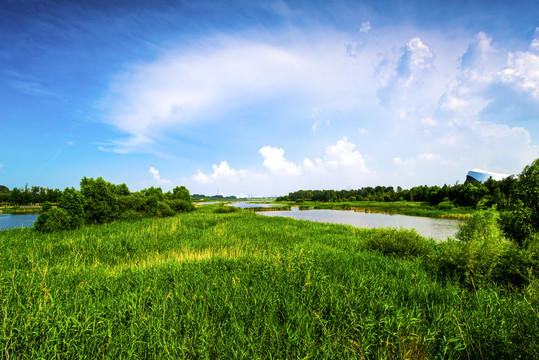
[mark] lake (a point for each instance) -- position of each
(9, 221)
(251, 205)
(439, 229)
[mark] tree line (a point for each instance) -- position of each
(467, 194)
(28, 195)
(99, 201)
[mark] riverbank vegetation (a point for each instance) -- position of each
(100, 202)
(240, 285)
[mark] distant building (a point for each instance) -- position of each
(482, 176)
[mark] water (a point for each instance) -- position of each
(250, 205)
(9, 221)
(439, 229)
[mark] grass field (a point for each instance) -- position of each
(240, 285)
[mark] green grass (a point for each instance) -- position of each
(20, 210)
(240, 285)
(397, 207)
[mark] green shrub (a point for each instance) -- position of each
(163, 210)
(179, 205)
(399, 242)
(225, 209)
(51, 219)
(445, 205)
(482, 255)
(72, 202)
(130, 216)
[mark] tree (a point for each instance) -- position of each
(100, 202)
(522, 220)
(72, 202)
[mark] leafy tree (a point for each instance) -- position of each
(122, 189)
(72, 202)
(181, 193)
(522, 219)
(101, 204)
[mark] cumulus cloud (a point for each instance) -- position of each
(221, 172)
(342, 154)
(522, 72)
(338, 157)
(274, 161)
(416, 58)
(158, 179)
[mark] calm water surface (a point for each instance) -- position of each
(9, 221)
(249, 205)
(439, 229)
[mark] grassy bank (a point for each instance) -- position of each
(240, 285)
(20, 209)
(397, 207)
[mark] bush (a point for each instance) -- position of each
(482, 255)
(163, 210)
(445, 205)
(51, 219)
(72, 202)
(399, 242)
(131, 216)
(179, 205)
(226, 209)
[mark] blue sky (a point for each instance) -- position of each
(266, 97)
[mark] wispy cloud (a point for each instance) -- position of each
(196, 84)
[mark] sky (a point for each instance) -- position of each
(261, 98)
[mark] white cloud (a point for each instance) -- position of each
(202, 83)
(522, 71)
(221, 172)
(404, 87)
(408, 166)
(478, 52)
(534, 46)
(274, 161)
(158, 179)
(343, 155)
(429, 121)
(365, 27)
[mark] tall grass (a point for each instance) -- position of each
(239, 285)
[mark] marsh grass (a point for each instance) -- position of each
(239, 285)
(396, 207)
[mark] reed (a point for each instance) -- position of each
(240, 285)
